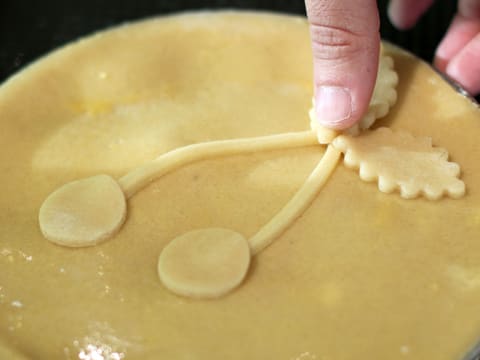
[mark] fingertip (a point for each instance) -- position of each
(397, 16)
(458, 54)
(333, 107)
(343, 87)
(341, 101)
(443, 55)
(460, 32)
(469, 9)
(346, 45)
(440, 62)
(464, 68)
(404, 14)
(472, 86)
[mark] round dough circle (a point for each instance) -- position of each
(84, 212)
(205, 263)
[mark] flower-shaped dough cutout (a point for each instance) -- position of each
(383, 98)
(400, 161)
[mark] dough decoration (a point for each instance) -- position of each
(137, 179)
(299, 202)
(208, 263)
(383, 98)
(205, 263)
(400, 161)
(77, 215)
(84, 212)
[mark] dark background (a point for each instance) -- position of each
(31, 28)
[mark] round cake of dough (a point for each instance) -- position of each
(360, 274)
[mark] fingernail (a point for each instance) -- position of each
(333, 105)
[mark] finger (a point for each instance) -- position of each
(404, 14)
(346, 44)
(469, 9)
(460, 33)
(465, 66)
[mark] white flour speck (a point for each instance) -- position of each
(16, 303)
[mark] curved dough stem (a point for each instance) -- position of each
(140, 177)
(298, 204)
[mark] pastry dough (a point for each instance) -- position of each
(89, 211)
(205, 263)
(400, 161)
(84, 212)
(370, 266)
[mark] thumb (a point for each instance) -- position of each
(346, 44)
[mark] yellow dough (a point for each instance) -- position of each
(359, 275)
(397, 160)
(143, 175)
(83, 212)
(298, 204)
(204, 263)
(88, 211)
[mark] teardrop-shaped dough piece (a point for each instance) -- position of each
(204, 263)
(83, 212)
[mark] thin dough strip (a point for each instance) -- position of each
(298, 204)
(66, 215)
(137, 179)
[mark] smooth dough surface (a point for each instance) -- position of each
(84, 212)
(204, 263)
(360, 275)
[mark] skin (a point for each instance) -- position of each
(345, 42)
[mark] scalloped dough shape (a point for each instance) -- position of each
(400, 161)
(383, 98)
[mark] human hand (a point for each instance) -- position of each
(346, 44)
(458, 54)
